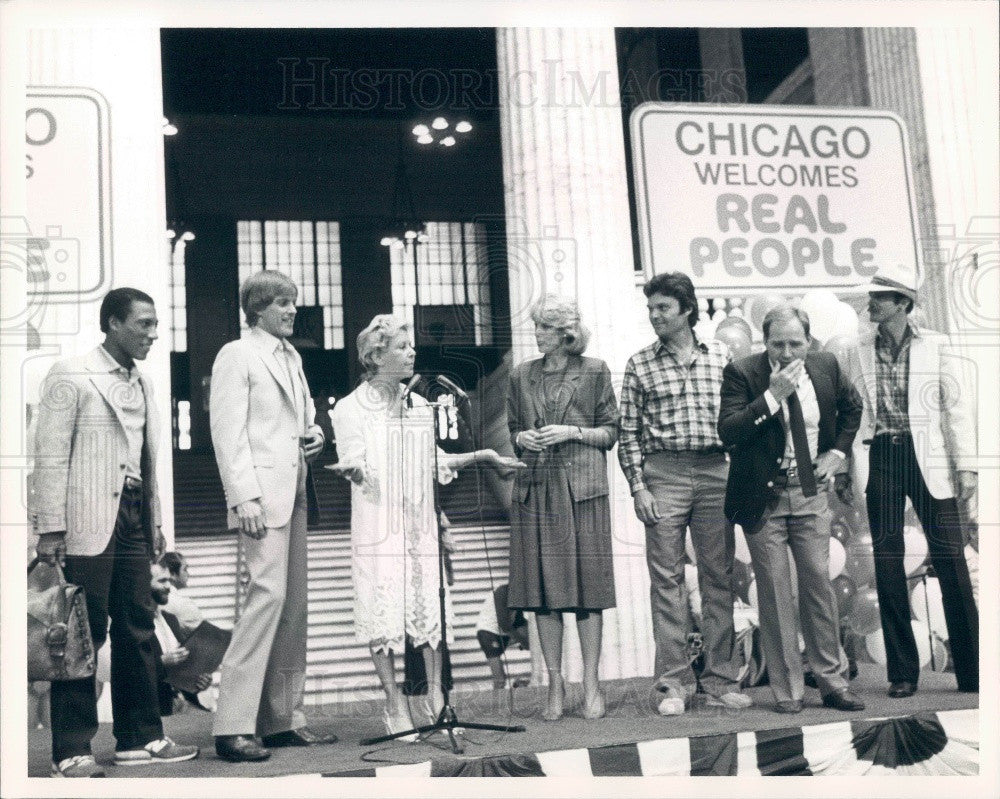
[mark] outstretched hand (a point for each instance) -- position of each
(503, 464)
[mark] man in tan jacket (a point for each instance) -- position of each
(263, 431)
(94, 505)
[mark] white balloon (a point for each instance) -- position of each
(704, 328)
(820, 305)
(940, 661)
(922, 598)
(846, 319)
(972, 558)
(916, 549)
(689, 547)
(838, 557)
(875, 644)
(920, 633)
(742, 550)
(694, 592)
(691, 577)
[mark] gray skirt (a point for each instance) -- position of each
(560, 549)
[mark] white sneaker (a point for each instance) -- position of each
(162, 751)
(675, 699)
(671, 706)
(733, 700)
(78, 766)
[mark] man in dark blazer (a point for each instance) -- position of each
(789, 416)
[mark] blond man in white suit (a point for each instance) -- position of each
(920, 430)
(263, 431)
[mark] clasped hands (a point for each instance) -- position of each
(548, 436)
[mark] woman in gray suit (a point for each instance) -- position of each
(561, 411)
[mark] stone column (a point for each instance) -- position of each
(878, 68)
(121, 67)
(568, 232)
(959, 79)
(721, 61)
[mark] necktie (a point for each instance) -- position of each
(803, 460)
(290, 367)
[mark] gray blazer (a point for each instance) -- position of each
(590, 403)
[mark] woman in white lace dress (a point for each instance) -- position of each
(386, 447)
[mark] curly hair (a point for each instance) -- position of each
(563, 314)
(375, 339)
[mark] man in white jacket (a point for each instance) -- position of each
(263, 431)
(919, 421)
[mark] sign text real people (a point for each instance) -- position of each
(757, 198)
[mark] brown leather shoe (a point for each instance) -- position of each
(303, 736)
(240, 748)
(788, 706)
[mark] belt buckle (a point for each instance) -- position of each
(896, 439)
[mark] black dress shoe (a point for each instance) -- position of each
(239, 748)
(968, 687)
(843, 700)
(788, 706)
(902, 689)
(303, 736)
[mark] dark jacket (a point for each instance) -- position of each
(589, 403)
(757, 439)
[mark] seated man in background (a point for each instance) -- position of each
(496, 625)
(169, 650)
(179, 604)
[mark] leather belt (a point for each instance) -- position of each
(896, 439)
(132, 483)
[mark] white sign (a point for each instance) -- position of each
(746, 199)
(68, 193)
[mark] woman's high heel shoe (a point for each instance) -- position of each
(596, 708)
(399, 722)
(549, 714)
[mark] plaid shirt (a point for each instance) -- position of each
(669, 405)
(892, 371)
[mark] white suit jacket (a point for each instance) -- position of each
(941, 399)
(256, 427)
(80, 454)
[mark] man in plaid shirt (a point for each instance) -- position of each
(676, 468)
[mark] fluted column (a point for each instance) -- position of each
(722, 54)
(568, 232)
(121, 66)
(879, 68)
(959, 80)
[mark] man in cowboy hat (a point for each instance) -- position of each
(919, 424)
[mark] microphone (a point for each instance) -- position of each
(451, 387)
(408, 389)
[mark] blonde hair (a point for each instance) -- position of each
(375, 339)
(563, 314)
(261, 289)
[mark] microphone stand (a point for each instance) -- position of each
(447, 719)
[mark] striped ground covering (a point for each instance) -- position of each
(945, 743)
